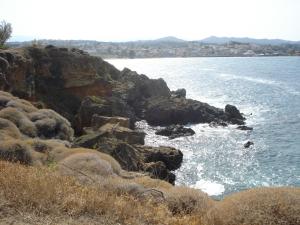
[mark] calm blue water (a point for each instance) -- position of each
(266, 90)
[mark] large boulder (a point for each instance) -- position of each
(175, 131)
(157, 161)
(233, 115)
(171, 157)
(123, 133)
(167, 111)
(98, 121)
(99, 106)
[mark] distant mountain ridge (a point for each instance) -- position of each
(174, 40)
(224, 40)
(174, 47)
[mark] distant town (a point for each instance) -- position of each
(174, 47)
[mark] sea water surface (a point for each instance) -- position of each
(265, 89)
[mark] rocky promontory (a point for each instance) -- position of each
(78, 85)
(103, 104)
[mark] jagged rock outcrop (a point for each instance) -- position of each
(59, 77)
(35, 136)
(167, 111)
(78, 86)
(126, 146)
(233, 115)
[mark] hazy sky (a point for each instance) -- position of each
(123, 20)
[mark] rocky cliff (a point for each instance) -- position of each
(65, 79)
(85, 90)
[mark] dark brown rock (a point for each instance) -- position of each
(98, 121)
(180, 93)
(159, 170)
(167, 111)
(248, 144)
(243, 127)
(233, 112)
(175, 131)
(171, 157)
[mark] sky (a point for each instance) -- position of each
(128, 20)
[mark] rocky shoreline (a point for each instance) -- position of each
(103, 104)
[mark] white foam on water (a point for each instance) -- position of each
(209, 187)
(226, 76)
(207, 69)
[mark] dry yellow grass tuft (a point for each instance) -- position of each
(148, 182)
(259, 206)
(41, 192)
(184, 200)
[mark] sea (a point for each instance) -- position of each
(265, 89)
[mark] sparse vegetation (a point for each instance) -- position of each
(260, 206)
(5, 32)
(41, 192)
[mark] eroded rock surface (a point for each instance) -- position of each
(78, 85)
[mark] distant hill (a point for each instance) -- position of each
(169, 39)
(224, 40)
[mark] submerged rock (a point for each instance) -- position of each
(243, 127)
(175, 131)
(248, 144)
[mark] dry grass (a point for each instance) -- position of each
(41, 192)
(148, 182)
(260, 206)
(184, 200)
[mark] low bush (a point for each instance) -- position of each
(184, 200)
(86, 167)
(8, 130)
(15, 151)
(20, 120)
(259, 206)
(52, 125)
